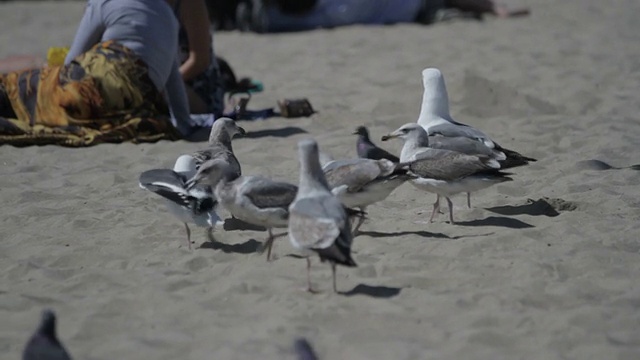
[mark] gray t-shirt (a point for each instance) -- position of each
(150, 29)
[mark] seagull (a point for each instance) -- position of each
(444, 172)
(436, 120)
(317, 220)
(366, 149)
(195, 205)
(222, 132)
(359, 183)
(254, 199)
(44, 343)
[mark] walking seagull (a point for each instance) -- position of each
(317, 220)
(253, 199)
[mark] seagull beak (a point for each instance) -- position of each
(241, 131)
(389, 136)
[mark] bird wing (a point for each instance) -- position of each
(453, 130)
(316, 222)
(448, 165)
(171, 186)
(355, 173)
(461, 144)
(265, 193)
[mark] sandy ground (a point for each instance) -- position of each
(513, 280)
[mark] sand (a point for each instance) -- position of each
(514, 280)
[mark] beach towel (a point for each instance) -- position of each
(103, 96)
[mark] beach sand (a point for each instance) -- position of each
(513, 280)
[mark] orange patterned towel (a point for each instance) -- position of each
(104, 95)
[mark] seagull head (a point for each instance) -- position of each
(406, 132)
(225, 127)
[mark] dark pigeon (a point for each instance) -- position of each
(44, 344)
(303, 350)
(368, 150)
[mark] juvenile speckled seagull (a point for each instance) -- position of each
(222, 133)
(444, 172)
(195, 205)
(359, 183)
(317, 220)
(254, 199)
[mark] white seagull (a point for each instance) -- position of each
(317, 219)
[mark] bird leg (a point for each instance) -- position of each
(436, 208)
(333, 273)
(469, 200)
(188, 235)
(268, 243)
(361, 218)
(210, 234)
(309, 287)
(450, 210)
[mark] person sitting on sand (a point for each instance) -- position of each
(199, 67)
(120, 81)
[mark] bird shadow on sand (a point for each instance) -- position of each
(381, 292)
(281, 132)
(422, 233)
(248, 247)
(499, 221)
(550, 207)
(232, 224)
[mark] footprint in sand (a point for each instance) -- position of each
(197, 264)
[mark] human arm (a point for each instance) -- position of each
(89, 31)
(178, 102)
(195, 20)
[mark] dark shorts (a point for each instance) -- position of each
(208, 85)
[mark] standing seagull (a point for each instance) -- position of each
(444, 172)
(317, 220)
(436, 120)
(195, 205)
(362, 182)
(222, 132)
(368, 150)
(44, 343)
(253, 199)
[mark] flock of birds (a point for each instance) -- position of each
(439, 155)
